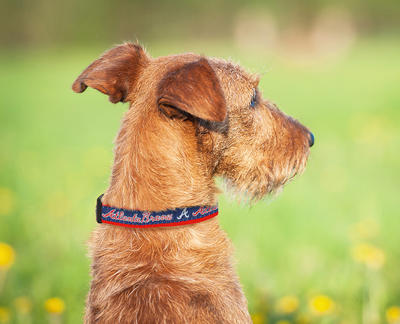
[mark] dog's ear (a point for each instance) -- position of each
(114, 73)
(193, 88)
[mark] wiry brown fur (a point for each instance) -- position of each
(189, 120)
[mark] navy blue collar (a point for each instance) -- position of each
(141, 218)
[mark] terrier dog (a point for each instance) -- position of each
(190, 119)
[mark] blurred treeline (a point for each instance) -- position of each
(57, 22)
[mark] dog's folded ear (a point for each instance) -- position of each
(114, 73)
(195, 89)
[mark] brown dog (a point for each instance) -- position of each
(190, 119)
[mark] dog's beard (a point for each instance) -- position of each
(262, 183)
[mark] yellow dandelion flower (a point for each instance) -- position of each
(5, 315)
(283, 322)
(54, 305)
(7, 199)
(287, 304)
(303, 319)
(7, 256)
(23, 305)
(321, 305)
(258, 318)
(393, 315)
(369, 255)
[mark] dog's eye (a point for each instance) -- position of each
(253, 99)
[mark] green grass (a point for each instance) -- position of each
(57, 152)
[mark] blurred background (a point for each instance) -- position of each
(326, 250)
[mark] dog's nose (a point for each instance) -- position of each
(310, 139)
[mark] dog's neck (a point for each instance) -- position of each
(157, 166)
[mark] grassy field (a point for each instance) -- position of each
(326, 250)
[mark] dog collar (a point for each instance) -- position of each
(143, 218)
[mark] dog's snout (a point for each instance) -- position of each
(311, 139)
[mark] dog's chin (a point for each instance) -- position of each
(249, 196)
(262, 186)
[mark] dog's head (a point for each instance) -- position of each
(209, 102)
